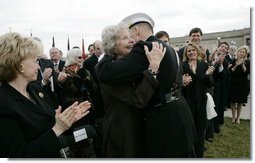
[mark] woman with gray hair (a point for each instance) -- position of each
(28, 124)
(77, 78)
(123, 123)
(74, 57)
(78, 86)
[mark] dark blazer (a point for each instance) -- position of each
(90, 64)
(46, 63)
(169, 128)
(26, 127)
(229, 59)
(61, 65)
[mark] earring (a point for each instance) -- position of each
(21, 69)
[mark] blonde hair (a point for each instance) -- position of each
(199, 53)
(246, 49)
(15, 48)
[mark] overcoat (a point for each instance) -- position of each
(195, 92)
(26, 127)
(123, 123)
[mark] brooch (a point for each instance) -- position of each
(41, 94)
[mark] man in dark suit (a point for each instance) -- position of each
(55, 57)
(195, 36)
(91, 62)
(89, 65)
(169, 127)
(46, 76)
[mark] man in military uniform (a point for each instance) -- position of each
(169, 127)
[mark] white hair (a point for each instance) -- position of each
(71, 56)
(109, 35)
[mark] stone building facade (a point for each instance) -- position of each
(210, 40)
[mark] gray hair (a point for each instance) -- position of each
(110, 34)
(71, 56)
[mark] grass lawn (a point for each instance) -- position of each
(234, 142)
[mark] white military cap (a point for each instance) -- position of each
(134, 19)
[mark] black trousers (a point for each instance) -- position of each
(199, 145)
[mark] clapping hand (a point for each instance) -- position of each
(62, 75)
(210, 70)
(46, 75)
(240, 61)
(72, 114)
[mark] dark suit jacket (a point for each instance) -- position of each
(90, 64)
(26, 127)
(46, 63)
(169, 129)
(61, 65)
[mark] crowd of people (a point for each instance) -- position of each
(136, 96)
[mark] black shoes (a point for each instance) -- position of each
(210, 140)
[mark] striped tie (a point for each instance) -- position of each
(56, 67)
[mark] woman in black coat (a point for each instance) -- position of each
(194, 91)
(78, 86)
(28, 124)
(238, 92)
(123, 124)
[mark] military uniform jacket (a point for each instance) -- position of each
(26, 127)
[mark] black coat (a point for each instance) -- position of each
(61, 65)
(123, 130)
(26, 127)
(220, 93)
(239, 83)
(169, 129)
(195, 92)
(90, 64)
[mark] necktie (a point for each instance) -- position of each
(56, 67)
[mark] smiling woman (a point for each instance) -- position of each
(29, 125)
